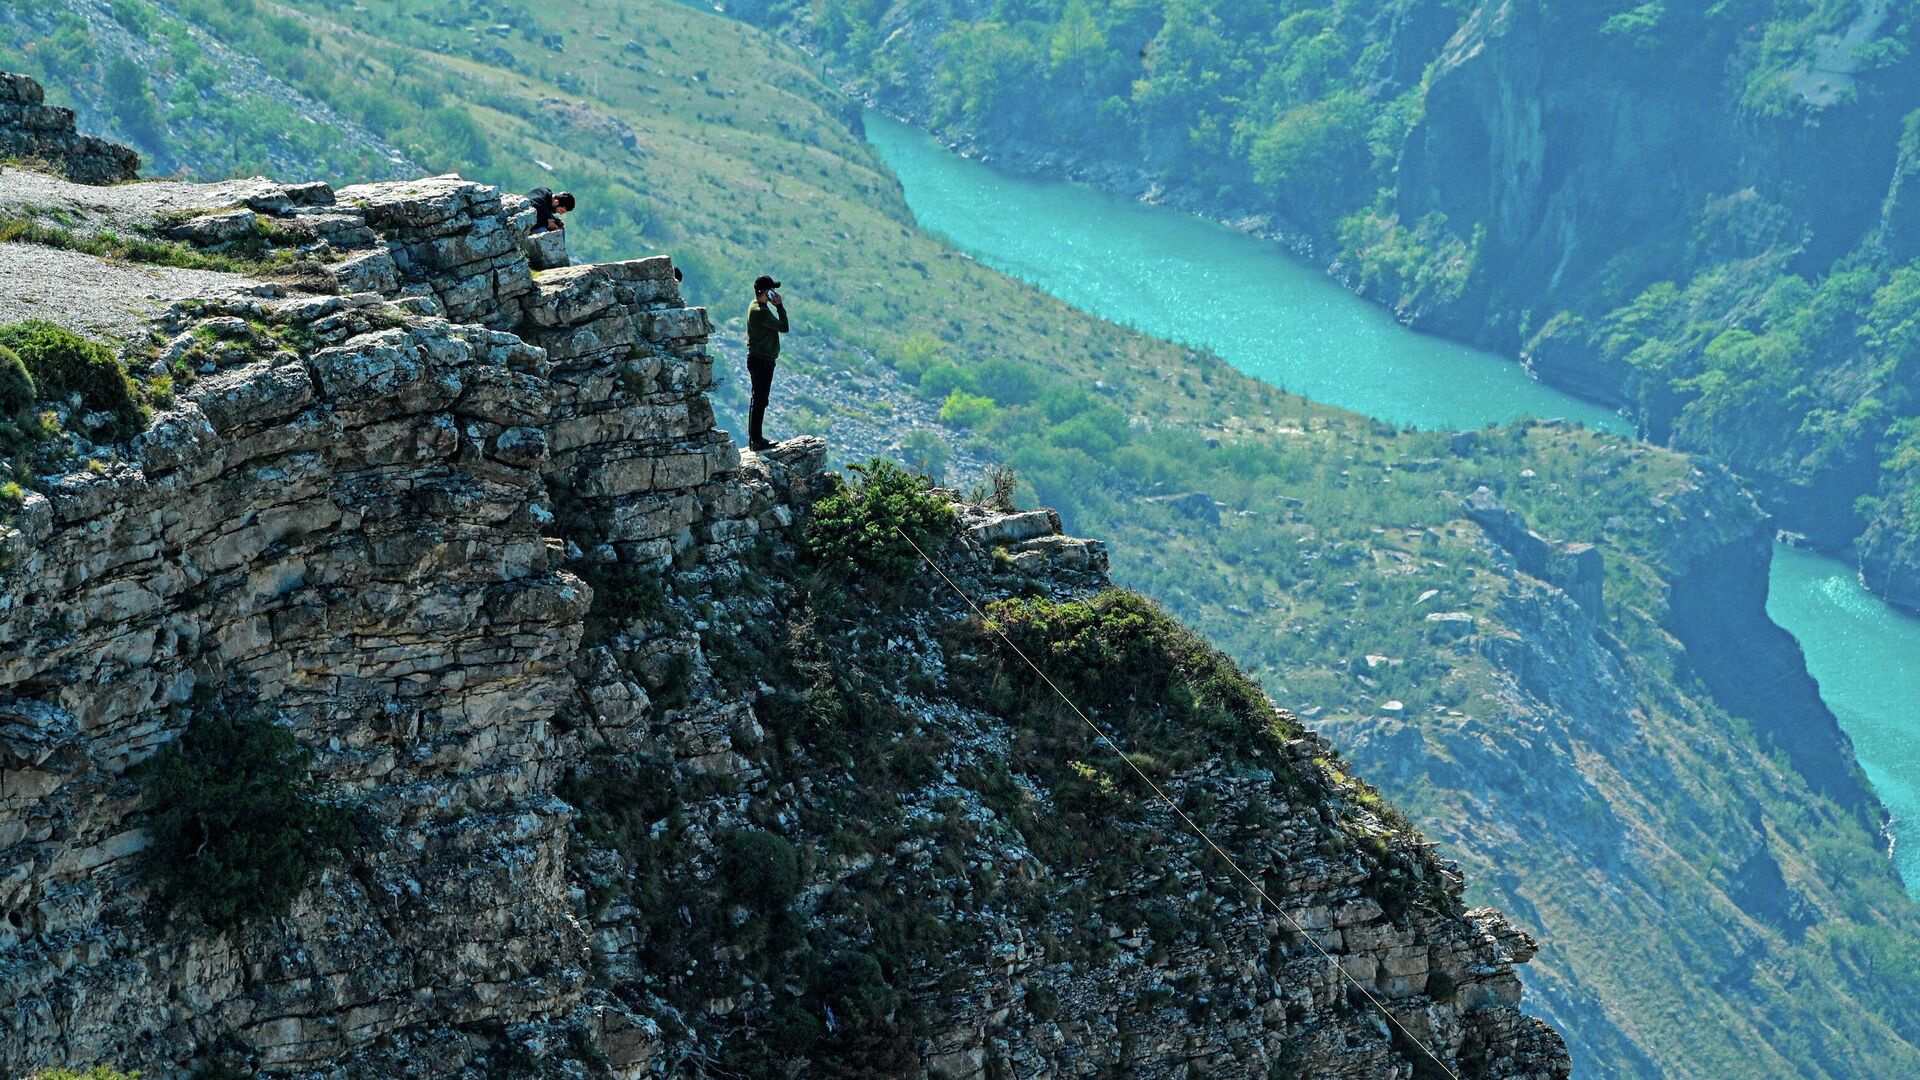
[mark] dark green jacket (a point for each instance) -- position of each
(765, 324)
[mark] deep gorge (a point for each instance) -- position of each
(1111, 262)
(1317, 339)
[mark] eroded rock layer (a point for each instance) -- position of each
(36, 132)
(374, 516)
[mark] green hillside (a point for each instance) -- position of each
(1300, 538)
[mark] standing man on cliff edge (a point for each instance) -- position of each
(766, 321)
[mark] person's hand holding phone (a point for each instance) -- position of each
(774, 296)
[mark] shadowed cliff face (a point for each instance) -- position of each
(1555, 154)
(32, 130)
(468, 532)
(1582, 152)
(1756, 669)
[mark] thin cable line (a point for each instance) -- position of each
(1191, 824)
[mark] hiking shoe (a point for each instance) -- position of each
(759, 444)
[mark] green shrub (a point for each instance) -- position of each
(762, 870)
(622, 594)
(98, 1072)
(794, 1030)
(62, 362)
(926, 453)
(240, 827)
(856, 987)
(1086, 789)
(857, 529)
(1118, 649)
(872, 1038)
(919, 352)
(137, 16)
(16, 384)
(1009, 382)
(942, 380)
(962, 409)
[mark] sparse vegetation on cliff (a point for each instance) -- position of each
(240, 826)
(874, 523)
(1118, 650)
(62, 362)
(16, 386)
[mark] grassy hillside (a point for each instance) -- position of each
(1302, 539)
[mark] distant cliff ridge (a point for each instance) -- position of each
(33, 131)
(636, 754)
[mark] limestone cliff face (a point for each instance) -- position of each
(1717, 608)
(353, 531)
(1890, 564)
(374, 514)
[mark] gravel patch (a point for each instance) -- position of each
(92, 296)
(125, 207)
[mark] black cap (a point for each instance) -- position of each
(763, 283)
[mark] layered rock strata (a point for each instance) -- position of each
(38, 133)
(374, 516)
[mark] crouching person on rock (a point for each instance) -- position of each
(766, 321)
(547, 208)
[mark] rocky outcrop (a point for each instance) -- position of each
(354, 533)
(469, 533)
(37, 133)
(1717, 606)
(1890, 564)
(1575, 567)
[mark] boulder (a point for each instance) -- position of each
(546, 250)
(1576, 568)
(1192, 505)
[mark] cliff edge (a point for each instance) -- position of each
(652, 757)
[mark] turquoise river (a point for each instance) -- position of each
(1274, 316)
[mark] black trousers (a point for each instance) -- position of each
(761, 372)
